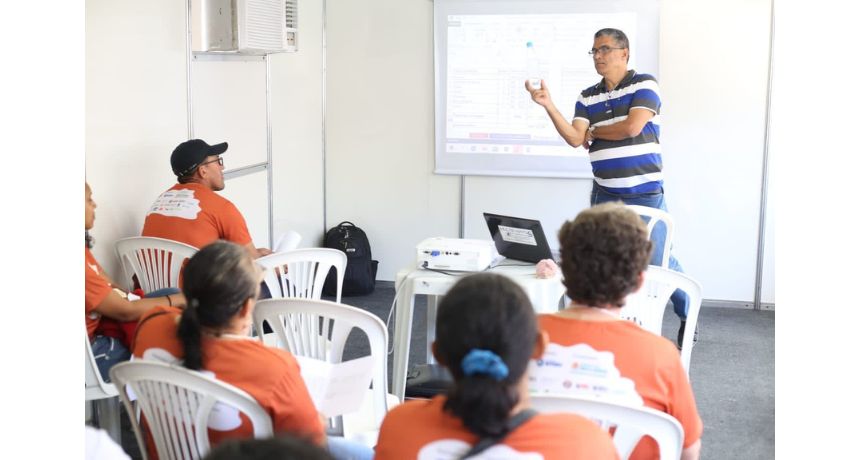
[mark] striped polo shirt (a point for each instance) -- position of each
(633, 165)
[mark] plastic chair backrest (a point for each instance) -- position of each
(318, 329)
(306, 272)
(655, 216)
(96, 387)
(646, 306)
(631, 422)
(156, 262)
(177, 403)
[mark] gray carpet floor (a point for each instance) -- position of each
(732, 372)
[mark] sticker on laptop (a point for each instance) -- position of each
(517, 235)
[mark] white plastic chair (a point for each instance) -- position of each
(103, 395)
(288, 241)
(646, 306)
(318, 329)
(631, 422)
(654, 216)
(156, 262)
(177, 403)
(306, 272)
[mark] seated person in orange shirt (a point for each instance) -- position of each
(106, 305)
(604, 253)
(486, 334)
(191, 212)
(221, 283)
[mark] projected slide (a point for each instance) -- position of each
(488, 110)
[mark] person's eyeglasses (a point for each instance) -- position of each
(219, 160)
(602, 50)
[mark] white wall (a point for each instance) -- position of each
(297, 131)
(713, 73)
(135, 111)
(768, 289)
(713, 68)
(379, 131)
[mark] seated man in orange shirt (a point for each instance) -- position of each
(604, 254)
(191, 212)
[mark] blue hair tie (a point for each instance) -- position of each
(484, 362)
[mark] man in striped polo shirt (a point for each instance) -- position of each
(618, 121)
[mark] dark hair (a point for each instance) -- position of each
(89, 240)
(486, 312)
(217, 281)
(603, 251)
(617, 35)
(282, 447)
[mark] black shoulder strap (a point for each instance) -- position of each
(513, 423)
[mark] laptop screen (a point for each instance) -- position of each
(518, 238)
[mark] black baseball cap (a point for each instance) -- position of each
(189, 154)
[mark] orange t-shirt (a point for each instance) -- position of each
(195, 215)
(650, 361)
(422, 429)
(96, 288)
(270, 375)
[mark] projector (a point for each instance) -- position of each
(455, 254)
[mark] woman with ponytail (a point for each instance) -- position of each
(486, 332)
(212, 335)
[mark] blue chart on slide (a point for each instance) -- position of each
(488, 108)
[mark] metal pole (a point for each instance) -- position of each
(764, 172)
(324, 82)
(462, 206)
(269, 180)
(188, 57)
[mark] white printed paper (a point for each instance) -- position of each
(337, 388)
(176, 203)
(517, 235)
(455, 448)
(580, 370)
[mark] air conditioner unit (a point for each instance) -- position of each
(245, 26)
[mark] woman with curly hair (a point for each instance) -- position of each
(604, 255)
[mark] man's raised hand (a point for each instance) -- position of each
(540, 96)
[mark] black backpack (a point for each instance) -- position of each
(360, 275)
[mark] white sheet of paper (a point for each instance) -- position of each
(337, 388)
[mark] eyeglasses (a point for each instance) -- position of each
(602, 50)
(219, 160)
